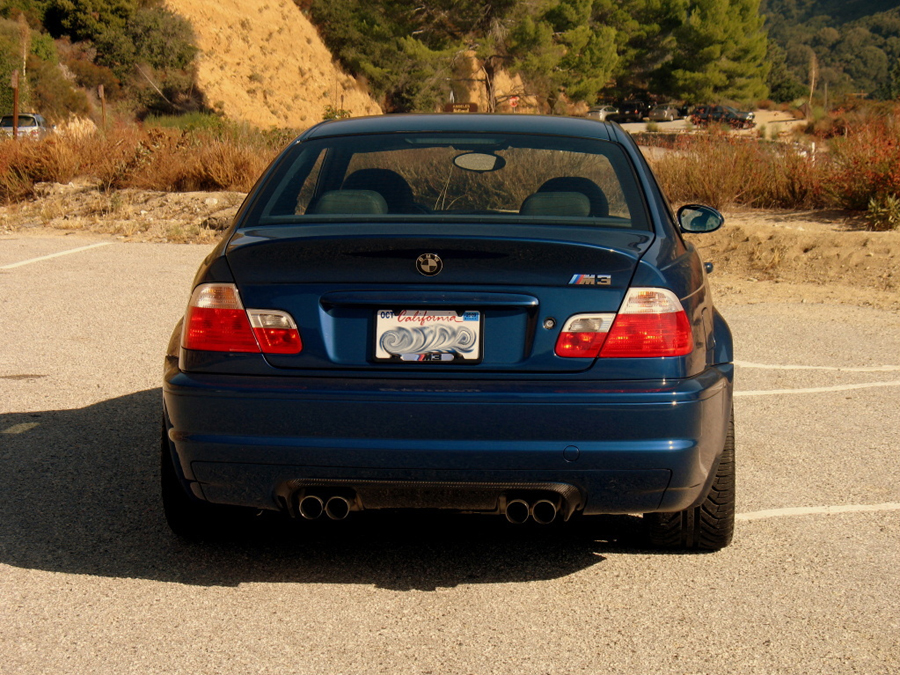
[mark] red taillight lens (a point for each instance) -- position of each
(650, 323)
(216, 322)
(582, 335)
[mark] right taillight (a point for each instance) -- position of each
(216, 321)
(651, 323)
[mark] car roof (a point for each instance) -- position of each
(465, 123)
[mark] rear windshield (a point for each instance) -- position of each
(448, 177)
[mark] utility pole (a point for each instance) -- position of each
(813, 75)
(15, 87)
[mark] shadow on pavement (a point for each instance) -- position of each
(79, 495)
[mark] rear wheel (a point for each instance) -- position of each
(187, 516)
(709, 526)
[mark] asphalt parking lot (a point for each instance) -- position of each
(92, 581)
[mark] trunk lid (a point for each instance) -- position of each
(507, 289)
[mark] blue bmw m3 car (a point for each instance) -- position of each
(491, 314)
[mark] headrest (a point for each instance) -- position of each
(573, 204)
(587, 187)
(351, 201)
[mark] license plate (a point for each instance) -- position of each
(428, 336)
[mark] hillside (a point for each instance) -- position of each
(262, 62)
(856, 43)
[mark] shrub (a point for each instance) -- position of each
(723, 170)
(91, 76)
(884, 213)
(865, 164)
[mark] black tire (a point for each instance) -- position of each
(709, 526)
(187, 516)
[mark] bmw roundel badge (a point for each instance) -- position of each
(429, 264)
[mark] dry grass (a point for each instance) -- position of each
(166, 160)
(857, 170)
(723, 170)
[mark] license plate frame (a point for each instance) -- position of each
(429, 336)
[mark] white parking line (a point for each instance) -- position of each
(861, 369)
(54, 255)
(819, 390)
(19, 428)
(817, 510)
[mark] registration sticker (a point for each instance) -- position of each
(428, 335)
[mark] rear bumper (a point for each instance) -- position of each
(612, 447)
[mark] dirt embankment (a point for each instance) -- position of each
(263, 62)
(806, 256)
(797, 256)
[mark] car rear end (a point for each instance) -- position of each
(503, 338)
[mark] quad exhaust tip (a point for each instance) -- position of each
(312, 507)
(517, 511)
(543, 511)
(337, 508)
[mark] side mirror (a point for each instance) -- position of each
(699, 218)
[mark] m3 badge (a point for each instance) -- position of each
(590, 280)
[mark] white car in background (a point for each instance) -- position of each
(601, 112)
(30, 125)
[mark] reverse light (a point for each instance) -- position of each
(216, 321)
(650, 323)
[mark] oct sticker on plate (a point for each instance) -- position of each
(428, 335)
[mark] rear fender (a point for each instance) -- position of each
(723, 350)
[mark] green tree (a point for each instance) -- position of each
(720, 52)
(51, 92)
(87, 19)
(152, 36)
(9, 61)
(783, 85)
(564, 46)
(645, 39)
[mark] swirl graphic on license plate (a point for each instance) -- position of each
(428, 335)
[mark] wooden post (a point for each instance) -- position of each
(15, 87)
(100, 92)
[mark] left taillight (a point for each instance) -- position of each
(216, 321)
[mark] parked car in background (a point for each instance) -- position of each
(485, 314)
(704, 115)
(631, 111)
(30, 125)
(664, 113)
(602, 113)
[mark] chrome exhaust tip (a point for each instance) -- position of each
(544, 511)
(517, 511)
(311, 507)
(337, 508)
